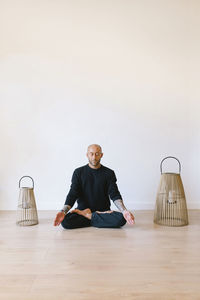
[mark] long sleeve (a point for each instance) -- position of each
(75, 189)
(113, 188)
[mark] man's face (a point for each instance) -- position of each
(94, 155)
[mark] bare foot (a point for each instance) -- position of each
(86, 212)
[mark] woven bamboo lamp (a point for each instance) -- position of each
(171, 207)
(26, 210)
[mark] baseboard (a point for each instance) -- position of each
(130, 206)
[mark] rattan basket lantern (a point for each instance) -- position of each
(26, 210)
(171, 207)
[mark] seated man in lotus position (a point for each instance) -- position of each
(93, 185)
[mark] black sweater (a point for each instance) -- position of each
(92, 188)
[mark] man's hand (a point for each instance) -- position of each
(59, 218)
(129, 217)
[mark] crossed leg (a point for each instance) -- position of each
(84, 218)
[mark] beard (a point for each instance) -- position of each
(94, 162)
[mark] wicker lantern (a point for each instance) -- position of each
(171, 207)
(26, 210)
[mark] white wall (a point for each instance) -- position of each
(124, 74)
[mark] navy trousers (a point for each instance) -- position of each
(106, 220)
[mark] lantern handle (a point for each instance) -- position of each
(26, 176)
(173, 158)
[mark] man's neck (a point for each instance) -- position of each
(94, 167)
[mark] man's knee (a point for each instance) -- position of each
(73, 221)
(66, 225)
(120, 221)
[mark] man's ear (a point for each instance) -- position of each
(101, 154)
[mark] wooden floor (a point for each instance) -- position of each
(145, 261)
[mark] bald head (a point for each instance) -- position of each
(94, 155)
(96, 146)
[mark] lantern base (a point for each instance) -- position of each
(171, 222)
(27, 222)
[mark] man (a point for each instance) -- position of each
(92, 185)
